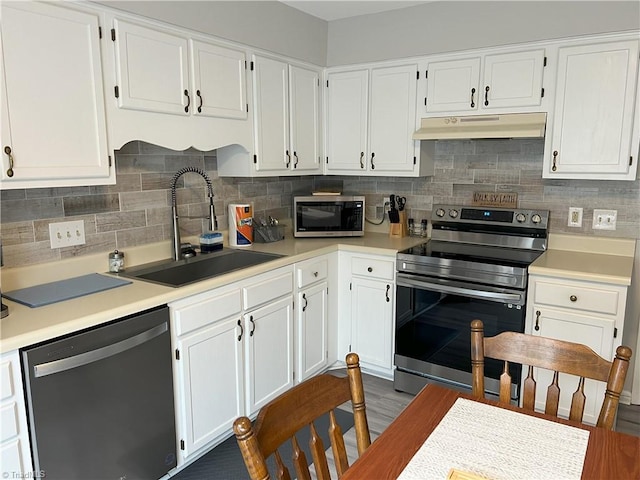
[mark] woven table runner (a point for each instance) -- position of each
(498, 444)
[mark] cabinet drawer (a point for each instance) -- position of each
(206, 312)
(311, 272)
(6, 380)
(373, 267)
(267, 290)
(8, 420)
(589, 298)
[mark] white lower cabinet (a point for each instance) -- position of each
(269, 354)
(15, 452)
(233, 353)
(311, 325)
(589, 313)
(372, 312)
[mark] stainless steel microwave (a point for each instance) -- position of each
(328, 216)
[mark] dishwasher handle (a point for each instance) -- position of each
(57, 366)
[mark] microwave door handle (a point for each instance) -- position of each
(411, 281)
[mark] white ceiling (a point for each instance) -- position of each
(336, 9)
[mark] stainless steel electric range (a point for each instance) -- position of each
(473, 267)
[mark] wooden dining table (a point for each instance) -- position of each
(609, 454)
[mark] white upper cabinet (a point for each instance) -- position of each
(304, 105)
(175, 88)
(271, 115)
(219, 80)
(53, 130)
(153, 73)
(594, 134)
(493, 81)
(371, 116)
(347, 122)
(286, 116)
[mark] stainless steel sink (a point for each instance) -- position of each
(190, 270)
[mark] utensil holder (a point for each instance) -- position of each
(399, 229)
(268, 233)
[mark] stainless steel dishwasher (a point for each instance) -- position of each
(100, 402)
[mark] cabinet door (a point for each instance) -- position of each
(594, 112)
(392, 118)
(271, 115)
(212, 381)
(219, 81)
(152, 70)
(15, 451)
(347, 110)
(311, 335)
(512, 79)
(53, 114)
(372, 322)
(304, 86)
(453, 85)
(269, 352)
(594, 332)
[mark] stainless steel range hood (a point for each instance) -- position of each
(512, 125)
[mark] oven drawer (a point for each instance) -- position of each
(373, 267)
(604, 299)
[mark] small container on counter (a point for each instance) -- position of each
(116, 261)
(210, 242)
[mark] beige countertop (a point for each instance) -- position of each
(27, 326)
(608, 260)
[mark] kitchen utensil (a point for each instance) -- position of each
(402, 201)
(393, 213)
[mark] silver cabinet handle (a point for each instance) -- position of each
(81, 359)
(361, 159)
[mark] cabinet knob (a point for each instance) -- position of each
(573, 298)
(7, 150)
(369, 269)
(315, 274)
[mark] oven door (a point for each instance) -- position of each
(433, 331)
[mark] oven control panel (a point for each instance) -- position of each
(490, 216)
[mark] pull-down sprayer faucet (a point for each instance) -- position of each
(174, 209)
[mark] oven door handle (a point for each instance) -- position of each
(404, 280)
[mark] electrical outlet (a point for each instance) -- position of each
(66, 234)
(605, 219)
(385, 202)
(575, 217)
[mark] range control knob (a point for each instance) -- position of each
(521, 218)
(440, 212)
(535, 218)
(453, 213)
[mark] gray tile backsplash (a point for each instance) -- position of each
(136, 210)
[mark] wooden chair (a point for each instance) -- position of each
(280, 419)
(557, 356)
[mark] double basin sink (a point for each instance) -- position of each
(177, 273)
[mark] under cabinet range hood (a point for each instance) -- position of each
(511, 125)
